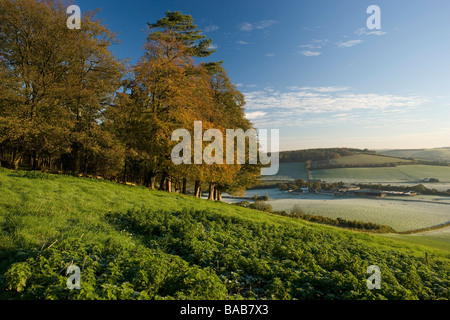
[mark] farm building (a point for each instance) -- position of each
(344, 189)
(430, 180)
(400, 193)
(348, 188)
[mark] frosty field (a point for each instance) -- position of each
(400, 213)
(289, 171)
(400, 175)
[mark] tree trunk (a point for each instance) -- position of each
(196, 188)
(149, 181)
(76, 160)
(217, 194)
(211, 192)
(15, 160)
(16, 163)
(183, 189)
(162, 182)
(169, 184)
(125, 171)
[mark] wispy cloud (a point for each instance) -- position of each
(321, 105)
(348, 44)
(270, 55)
(308, 53)
(366, 32)
(255, 115)
(212, 46)
(319, 89)
(210, 28)
(263, 24)
(311, 49)
(310, 46)
(244, 43)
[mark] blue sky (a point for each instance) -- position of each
(314, 70)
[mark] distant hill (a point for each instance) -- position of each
(434, 154)
(359, 160)
(318, 154)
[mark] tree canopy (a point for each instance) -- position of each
(68, 105)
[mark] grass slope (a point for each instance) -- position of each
(133, 243)
(435, 154)
(365, 159)
(405, 173)
(289, 171)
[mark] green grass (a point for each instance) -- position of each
(134, 243)
(365, 159)
(289, 171)
(374, 175)
(404, 173)
(420, 172)
(439, 240)
(436, 154)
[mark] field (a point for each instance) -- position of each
(399, 175)
(405, 174)
(437, 154)
(362, 160)
(400, 213)
(289, 171)
(436, 238)
(135, 243)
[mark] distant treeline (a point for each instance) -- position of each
(328, 165)
(318, 154)
(297, 212)
(420, 188)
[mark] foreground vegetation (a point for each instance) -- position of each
(134, 243)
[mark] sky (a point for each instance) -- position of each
(314, 70)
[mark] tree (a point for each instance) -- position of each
(56, 83)
(186, 33)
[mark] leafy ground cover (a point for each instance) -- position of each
(133, 243)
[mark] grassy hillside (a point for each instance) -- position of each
(407, 173)
(359, 160)
(436, 154)
(289, 171)
(133, 243)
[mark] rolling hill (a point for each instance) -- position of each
(134, 243)
(436, 154)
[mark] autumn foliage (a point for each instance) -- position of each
(67, 105)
